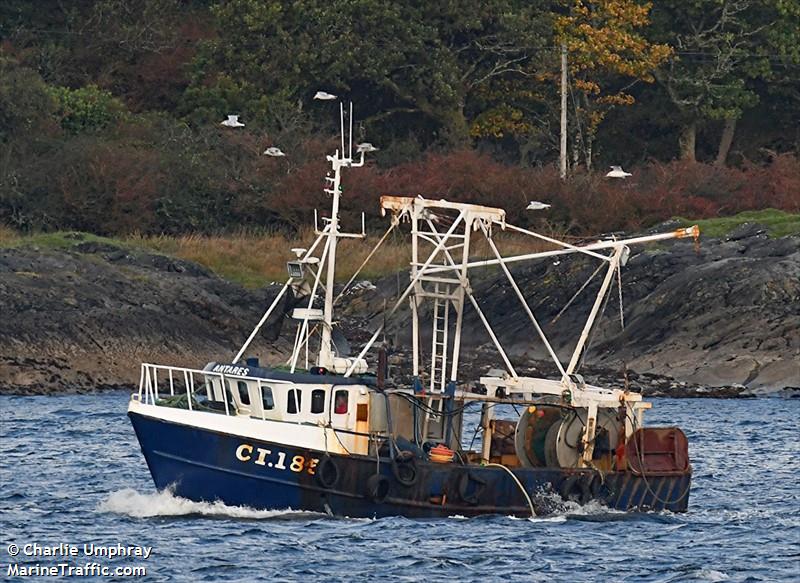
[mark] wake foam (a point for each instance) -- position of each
(711, 575)
(131, 503)
(550, 507)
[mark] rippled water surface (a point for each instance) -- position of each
(72, 472)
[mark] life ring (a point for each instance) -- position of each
(377, 488)
(404, 468)
(327, 472)
(463, 485)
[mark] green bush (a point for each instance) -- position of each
(87, 109)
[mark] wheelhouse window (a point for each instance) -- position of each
(267, 400)
(318, 401)
(294, 401)
(209, 389)
(244, 392)
(228, 392)
(340, 402)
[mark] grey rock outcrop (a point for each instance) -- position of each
(726, 314)
(85, 319)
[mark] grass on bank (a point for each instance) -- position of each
(57, 240)
(256, 259)
(778, 223)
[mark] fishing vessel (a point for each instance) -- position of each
(335, 432)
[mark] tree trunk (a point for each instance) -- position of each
(687, 141)
(588, 151)
(455, 130)
(589, 134)
(562, 157)
(726, 141)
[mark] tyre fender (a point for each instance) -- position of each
(404, 468)
(571, 488)
(590, 487)
(327, 472)
(581, 488)
(378, 488)
(463, 487)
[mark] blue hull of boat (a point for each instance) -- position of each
(204, 465)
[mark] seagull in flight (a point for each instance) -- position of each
(273, 151)
(366, 147)
(618, 172)
(324, 96)
(232, 122)
(535, 205)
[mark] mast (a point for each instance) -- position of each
(562, 154)
(341, 159)
(306, 259)
(325, 358)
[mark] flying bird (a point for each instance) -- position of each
(273, 151)
(618, 172)
(322, 95)
(232, 122)
(366, 147)
(535, 205)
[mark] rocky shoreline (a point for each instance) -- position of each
(722, 320)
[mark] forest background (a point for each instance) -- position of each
(110, 110)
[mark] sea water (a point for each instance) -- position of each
(72, 477)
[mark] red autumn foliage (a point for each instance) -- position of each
(586, 204)
(156, 180)
(109, 188)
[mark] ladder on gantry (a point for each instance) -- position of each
(445, 296)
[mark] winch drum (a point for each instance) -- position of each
(553, 439)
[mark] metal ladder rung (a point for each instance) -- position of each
(438, 267)
(435, 279)
(434, 295)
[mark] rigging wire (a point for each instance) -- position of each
(430, 410)
(619, 287)
(591, 333)
(366, 260)
(577, 293)
(474, 435)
